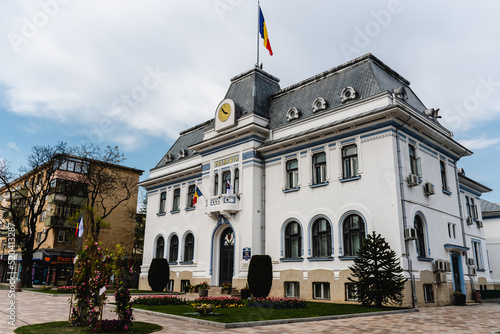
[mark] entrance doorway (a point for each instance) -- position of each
(457, 272)
(226, 256)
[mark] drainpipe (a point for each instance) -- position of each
(403, 209)
(263, 210)
(464, 239)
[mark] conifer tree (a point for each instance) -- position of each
(379, 278)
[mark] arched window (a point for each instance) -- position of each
(174, 249)
(189, 248)
(293, 240)
(160, 248)
(354, 234)
(420, 242)
(321, 238)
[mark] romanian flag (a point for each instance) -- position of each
(79, 228)
(263, 32)
(197, 194)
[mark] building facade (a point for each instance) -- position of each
(67, 195)
(303, 174)
(491, 220)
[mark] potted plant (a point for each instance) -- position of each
(459, 298)
(187, 288)
(245, 292)
(226, 288)
(203, 289)
(204, 309)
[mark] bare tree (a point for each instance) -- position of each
(24, 199)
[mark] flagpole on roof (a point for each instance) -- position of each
(258, 31)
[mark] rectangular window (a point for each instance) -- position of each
(170, 285)
(216, 184)
(61, 236)
(451, 230)
(39, 237)
(226, 182)
(415, 166)
(292, 174)
(442, 166)
(191, 190)
(184, 282)
(319, 168)
(350, 292)
(428, 293)
(42, 216)
(478, 256)
(292, 289)
(163, 200)
(236, 184)
(350, 161)
(177, 199)
(321, 290)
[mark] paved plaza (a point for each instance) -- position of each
(33, 308)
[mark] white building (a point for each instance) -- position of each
(312, 169)
(491, 221)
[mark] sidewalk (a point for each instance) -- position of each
(32, 308)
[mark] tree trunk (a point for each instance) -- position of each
(26, 269)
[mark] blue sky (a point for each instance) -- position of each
(135, 74)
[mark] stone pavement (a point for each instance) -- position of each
(32, 308)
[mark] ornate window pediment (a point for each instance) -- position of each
(182, 153)
(319, 104)
(169, 157)
(348, 94)
(292, 113)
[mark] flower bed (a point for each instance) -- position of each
(159, 300)
(275, 302)
(220, 301)
(67, 289)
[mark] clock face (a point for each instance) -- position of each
(224, 112)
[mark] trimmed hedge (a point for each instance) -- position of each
(260, 275)
(158, 274)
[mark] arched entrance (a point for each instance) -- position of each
(226, 256)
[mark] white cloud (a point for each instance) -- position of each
(13, 146)
(479, 143)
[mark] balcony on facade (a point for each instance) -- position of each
(225, 205)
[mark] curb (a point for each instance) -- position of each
(269, 322)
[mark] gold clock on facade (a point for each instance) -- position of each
(224, 112)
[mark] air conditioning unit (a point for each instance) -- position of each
(473, 271)
(412, 180)
(429, 189)
(471, 262)
(440, 277)
(479, 224)
(470, 221)
(410, 233)
(439, 265)
(447, 266)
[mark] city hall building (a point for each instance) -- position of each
(303, 174)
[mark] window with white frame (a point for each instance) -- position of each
(160, 248)
(321, 238)
(292, 174)
(189, 248)
(420, 242)
(349, 161)
(174, 249)
(236, 184)
(444, 182)
(170, 285)
(293, 240)
(353, 229)
(190, 196)
(292, 289)
(227, 187)
(177, 199)
(350, 292)
(452, 230)
(163, 200)
(216, 184)
(415, 166)
(319, 168)
(321, 290)
(471, 207)
(478, 255)
(62, 236)
(428, 293)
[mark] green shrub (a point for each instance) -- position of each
(158, 274)
(260, 275)
(159, 300)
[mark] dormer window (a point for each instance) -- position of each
(292, 113)
(348, 94)
(401, 93)
(319, 104)
(169, 157)
(182, 153)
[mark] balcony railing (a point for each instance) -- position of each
(225, 205)
(58, 221)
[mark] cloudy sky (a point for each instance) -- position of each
(136, 73)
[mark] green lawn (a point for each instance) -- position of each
(65, 327)
(244, 314)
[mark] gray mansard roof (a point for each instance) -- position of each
(256, 91)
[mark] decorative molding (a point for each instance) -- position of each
(388, 133)
(205, 167)
(292, 113)
(319, 104)
(250, 155)
(348, 94)
(182, 153)
(169, 157)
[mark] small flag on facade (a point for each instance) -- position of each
(197, 194)
(263, 32)
(229, 187)
(79, 228)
